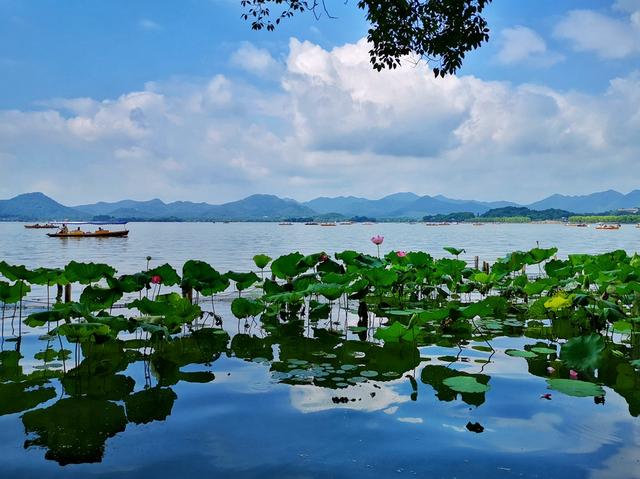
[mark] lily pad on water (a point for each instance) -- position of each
(574, 387)
(542, 350)
(519, 353)
(465, 384)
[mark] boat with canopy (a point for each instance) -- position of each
(72, 229)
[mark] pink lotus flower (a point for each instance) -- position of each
(546, 396)
(377, 240)
(551, 370)
(156, 279)
(573, 374)
(323, 258)
(401, 254)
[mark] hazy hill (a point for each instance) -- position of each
(594, 203)
(353, 206)
(36, 207)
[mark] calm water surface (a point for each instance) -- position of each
(283, 405)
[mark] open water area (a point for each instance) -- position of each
(303, 401)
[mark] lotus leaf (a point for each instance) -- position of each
(242, 280)
(519, 353)
(168, 275)
(288, 266)
(575, 387)
(245, 308)
(86, 273)
(465, 384)
(261, 260)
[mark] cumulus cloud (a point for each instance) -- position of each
(333, 126)
(257, 61)
(610, 37)
(521, 45)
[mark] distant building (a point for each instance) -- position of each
(633, 211)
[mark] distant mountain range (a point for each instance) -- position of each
(38, 207)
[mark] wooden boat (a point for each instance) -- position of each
(285, 223)
(311, 223)
(608, 227)
(577, 225)
(90, 234)
(41, 226)
(64, 232)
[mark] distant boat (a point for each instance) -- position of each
(312, 223)
(607, 227)
(327, 224)
(285, 223)
(478, 224)
(41, 226)
(346, 223)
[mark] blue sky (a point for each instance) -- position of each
(102, 94)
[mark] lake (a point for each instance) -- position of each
(303, 400)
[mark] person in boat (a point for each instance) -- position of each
(64, 230)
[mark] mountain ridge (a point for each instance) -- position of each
(37, 206)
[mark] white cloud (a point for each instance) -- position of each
(607, 36)
(521, 45)
(257, 61)
(334, 127)
(149, 25)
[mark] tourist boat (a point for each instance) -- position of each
(41, 226)
(478, 224)
(577, 225)
(607, 227)
(312, 223)
(346, 222)
(285, 223)
(65, 232)
(327, 224)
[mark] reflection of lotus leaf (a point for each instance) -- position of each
(20, 396)
(574, 387)
(153, 404)
(74, 430)
(583, 352)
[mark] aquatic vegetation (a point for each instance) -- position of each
(331, 322)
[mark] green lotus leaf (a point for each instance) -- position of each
(288, 266)
(80, 332)
(12, 293)
(624, 327)
(261, 260)
(40, 319)
(543, 350)
(419, 259)
(15, 272)
(246, 308)
(538, 255)
(329, 291)
(318, 310)
(242, 280)
(396, 332)
(453, 251)
(99, 298)
(86, 273)
(465, 384)
(574, 387)
(380, 277)
(203, 278)
(519, 353)
(48, 276)
(129, 283)
(168, 275)
(583, 352)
